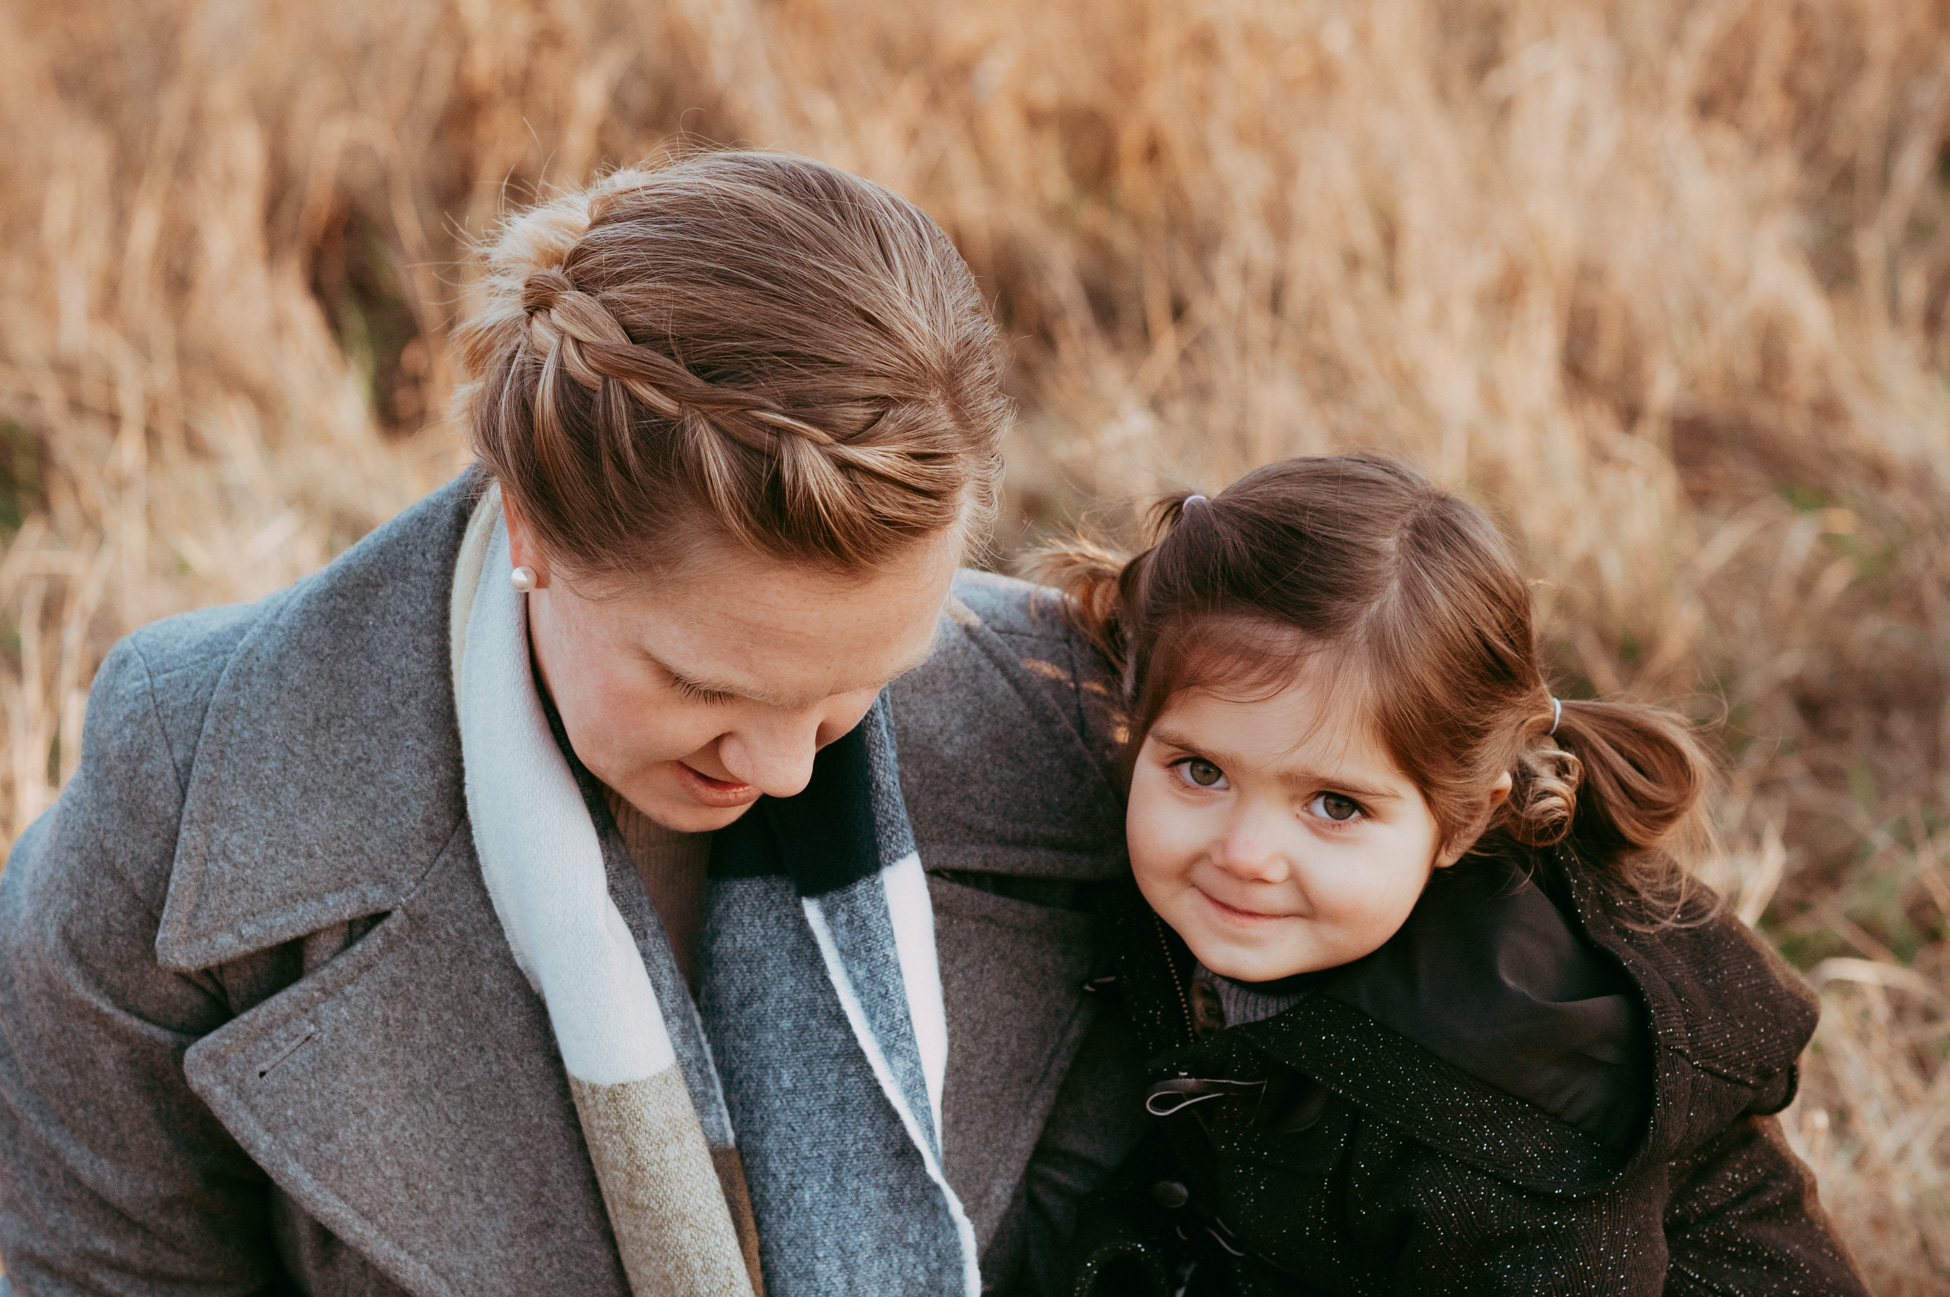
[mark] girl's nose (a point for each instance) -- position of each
(1250, 852)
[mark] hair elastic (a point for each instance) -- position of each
(1185, 505)
(1557, 713)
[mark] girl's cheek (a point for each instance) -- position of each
(1374, 889)
(1160, 833)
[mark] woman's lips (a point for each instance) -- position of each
(719, 793)
(1233, 914)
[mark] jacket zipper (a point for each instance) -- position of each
(1184, 1005)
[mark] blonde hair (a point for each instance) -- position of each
(742, 344)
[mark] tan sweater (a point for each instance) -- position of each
(672, 866)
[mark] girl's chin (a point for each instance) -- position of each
(1256, 970)
(1245, 960)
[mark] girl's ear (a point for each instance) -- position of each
(1499, 792)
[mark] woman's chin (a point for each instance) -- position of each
(701, 820)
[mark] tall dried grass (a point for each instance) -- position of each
(1662, 283)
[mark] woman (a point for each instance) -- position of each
(529, 902)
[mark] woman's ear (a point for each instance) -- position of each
(522, 549)
(1498, 794)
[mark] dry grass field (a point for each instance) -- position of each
(1665, 285)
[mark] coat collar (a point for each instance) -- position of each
(330, 749)
(1727, 1020)
(331, 746)
(1375, 1068)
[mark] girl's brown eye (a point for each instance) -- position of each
(1203, 773)
(1333, 806)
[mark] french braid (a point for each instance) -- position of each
(817, 379)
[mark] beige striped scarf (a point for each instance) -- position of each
(678, 1206)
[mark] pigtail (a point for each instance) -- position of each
(1089, 576)
(1644, 776)
(1543, 794)
(1102, 587)
(1621, 784)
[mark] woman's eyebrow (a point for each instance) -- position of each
(706, 685)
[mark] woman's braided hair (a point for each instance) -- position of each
(741, 345)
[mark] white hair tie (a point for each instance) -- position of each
(1557, 713)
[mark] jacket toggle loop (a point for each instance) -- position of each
(1181, 1092)
(1223, 1236)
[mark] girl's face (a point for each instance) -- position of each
(1276, 835)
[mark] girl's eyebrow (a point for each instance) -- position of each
(1307, 780)
(1293, 776)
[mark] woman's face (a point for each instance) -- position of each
(1276, 835)
(692, 697)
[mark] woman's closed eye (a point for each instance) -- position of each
(1336, 808)
(1196, 772)
(697, 693)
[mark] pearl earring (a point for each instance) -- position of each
(523, 579)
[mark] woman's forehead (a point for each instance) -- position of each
(785, 634)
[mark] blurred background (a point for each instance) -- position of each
(1665, 286)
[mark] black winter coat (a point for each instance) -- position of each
(1327, 1153)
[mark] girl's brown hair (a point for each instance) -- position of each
(742, 344)
(1410, 596)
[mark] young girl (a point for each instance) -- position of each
(1431, 1006)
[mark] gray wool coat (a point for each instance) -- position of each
(261, 1032)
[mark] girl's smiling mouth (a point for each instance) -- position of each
(1233, 914)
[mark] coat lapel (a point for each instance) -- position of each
(330, 747)
(408, 1094)
(409, 1097)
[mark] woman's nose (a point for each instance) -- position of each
(776, 758)
(773, 750)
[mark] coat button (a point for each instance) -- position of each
(1170, 1194)
(1208, 1015)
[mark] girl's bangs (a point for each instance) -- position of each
(1251, 659)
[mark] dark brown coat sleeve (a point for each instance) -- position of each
(1467, 1232)
(1743, 1219)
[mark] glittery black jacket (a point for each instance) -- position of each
(1329, 1154)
